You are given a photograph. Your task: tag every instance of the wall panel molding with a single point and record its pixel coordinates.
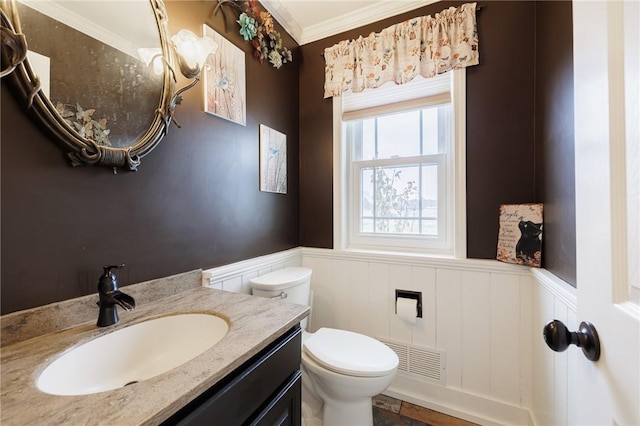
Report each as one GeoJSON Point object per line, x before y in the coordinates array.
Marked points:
{"type": "Point", "coordinates": [479, 265]}
{"type": "Point", "coordinates": [474, 311]}
{"type": "Point", "coordinates": [235, 276]}
{"type": "Point", "coordinates": [560, 289]}
{"type": "Point", "coordinates": [552, 390]}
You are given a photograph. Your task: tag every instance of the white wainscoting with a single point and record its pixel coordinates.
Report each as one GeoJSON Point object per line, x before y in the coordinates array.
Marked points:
{"type": "Point", "coordinates": [486, 316]}
{"type": "Point", "coordinates": [235, 277]}
{"type": "Point", "coordinates": [553, 372]}
{"type": "Point", "coordinates": [473, 310]}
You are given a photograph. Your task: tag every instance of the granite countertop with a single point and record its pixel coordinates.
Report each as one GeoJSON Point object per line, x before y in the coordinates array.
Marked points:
{"type": "Point", "coordinates": [253, 323]}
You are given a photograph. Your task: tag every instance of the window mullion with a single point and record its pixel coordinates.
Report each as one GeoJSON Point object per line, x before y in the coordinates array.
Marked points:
{"type": "Point", "coordinates": [402, 161]}
{"type": "Point", "coordinates": [375, 198]}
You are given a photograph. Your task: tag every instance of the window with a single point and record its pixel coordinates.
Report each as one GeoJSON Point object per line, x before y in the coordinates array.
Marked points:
{"type": "Point", "coordinates": [399, 148]}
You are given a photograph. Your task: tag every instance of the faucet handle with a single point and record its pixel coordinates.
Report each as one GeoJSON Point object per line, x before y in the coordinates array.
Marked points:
{"type": "Point", "coordinates": [108, 281]}
{"type": "Point", "coordinates": [108, 269]}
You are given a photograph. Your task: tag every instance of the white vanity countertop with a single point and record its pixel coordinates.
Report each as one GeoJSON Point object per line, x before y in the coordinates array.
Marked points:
{"type": "Point", "coordinates": [254, 323]}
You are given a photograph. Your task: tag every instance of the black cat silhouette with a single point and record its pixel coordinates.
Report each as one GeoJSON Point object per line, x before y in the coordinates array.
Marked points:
{"type": "Point", "coordinates": [530, 242]}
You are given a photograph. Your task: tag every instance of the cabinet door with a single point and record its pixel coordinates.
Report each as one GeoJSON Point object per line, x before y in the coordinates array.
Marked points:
{"type": "Point", "coordinates": [247, 390]}
{"type": "Point", "coordinates": [285, 409]}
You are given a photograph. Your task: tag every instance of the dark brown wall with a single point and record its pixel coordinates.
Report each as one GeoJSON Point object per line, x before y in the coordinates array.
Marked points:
{"type": "Point", "coordinates": [555, 165]}
{"type": "Point", "coordinates": [500, 145]}
{"type": "Point", "coordinates": [519, 127]}
{"type": "Point", "coordinates": [194, 203]}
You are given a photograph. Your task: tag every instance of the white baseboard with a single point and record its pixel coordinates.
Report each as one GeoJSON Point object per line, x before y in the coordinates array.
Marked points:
{"type": "Point", "coordinates": [456, 403]}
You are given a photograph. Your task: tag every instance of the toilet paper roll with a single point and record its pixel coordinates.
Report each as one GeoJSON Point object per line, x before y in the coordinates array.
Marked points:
{"type": "Point", "coordinates": [407, 309]}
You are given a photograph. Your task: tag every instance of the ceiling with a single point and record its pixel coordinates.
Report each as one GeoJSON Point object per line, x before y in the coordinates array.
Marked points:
{"type": "Point", "coordinates": [310, 20]}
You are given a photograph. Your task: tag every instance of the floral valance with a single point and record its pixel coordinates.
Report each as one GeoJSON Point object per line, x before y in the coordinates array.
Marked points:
{"type": "Point", "coordinates": [425, 45]}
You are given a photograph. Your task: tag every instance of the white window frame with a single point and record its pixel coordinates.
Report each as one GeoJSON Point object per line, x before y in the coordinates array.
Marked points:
{"type": "Point", "coordinates": [364, 240]}
{"type": "Point", "coordinates": [454, 244]}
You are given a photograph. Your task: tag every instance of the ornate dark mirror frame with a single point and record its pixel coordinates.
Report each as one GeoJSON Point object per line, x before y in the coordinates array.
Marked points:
{"type": "Point", "coordinates": [78, 149]}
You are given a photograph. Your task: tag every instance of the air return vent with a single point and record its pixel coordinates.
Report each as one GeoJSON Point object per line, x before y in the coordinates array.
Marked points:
{"type": "Point", "coordinates": [419, 362]}
{"type": "Point", "coordinates": [403, 355]}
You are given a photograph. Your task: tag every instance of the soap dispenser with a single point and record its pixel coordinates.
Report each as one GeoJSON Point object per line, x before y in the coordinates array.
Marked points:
{"type": "Point", "coordinates": [110, 296]}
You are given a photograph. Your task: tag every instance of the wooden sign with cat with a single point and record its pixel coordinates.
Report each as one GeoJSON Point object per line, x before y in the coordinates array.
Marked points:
{"type": "Point", "coordinates": [520, 235]}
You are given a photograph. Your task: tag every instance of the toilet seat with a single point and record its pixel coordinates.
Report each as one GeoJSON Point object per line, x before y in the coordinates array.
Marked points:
{"type": "Point", "coordinates": [350, 353]}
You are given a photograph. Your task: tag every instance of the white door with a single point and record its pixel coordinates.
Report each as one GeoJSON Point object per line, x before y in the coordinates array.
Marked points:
{"type": "Point", "coordinates": [607, 115]}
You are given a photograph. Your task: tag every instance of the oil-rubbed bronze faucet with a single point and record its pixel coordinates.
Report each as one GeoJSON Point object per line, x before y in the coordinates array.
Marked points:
{"type": "Point", "coordinates": [110, 296]}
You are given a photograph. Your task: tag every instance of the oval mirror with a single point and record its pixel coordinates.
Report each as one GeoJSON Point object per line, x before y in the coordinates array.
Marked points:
{"type": "Point", "coordinates": [89, 78]}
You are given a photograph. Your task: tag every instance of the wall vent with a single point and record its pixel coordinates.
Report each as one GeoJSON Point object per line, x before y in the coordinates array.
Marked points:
{"type": "Point", "coordinates": [419, 362]}
{"type": "Point", "coordinates": [403, 355]}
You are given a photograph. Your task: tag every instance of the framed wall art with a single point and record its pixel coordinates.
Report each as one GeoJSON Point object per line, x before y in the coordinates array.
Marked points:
{"type": "Point", "coordinates": [520, 235]}
{"type": "Point", "coordinates": [224, 80]}
{"type": "Point", "coordinates": [273, 160]}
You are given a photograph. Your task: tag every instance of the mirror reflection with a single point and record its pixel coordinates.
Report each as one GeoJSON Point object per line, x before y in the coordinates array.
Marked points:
{"type": "Point", "coordinates": [86, 54]}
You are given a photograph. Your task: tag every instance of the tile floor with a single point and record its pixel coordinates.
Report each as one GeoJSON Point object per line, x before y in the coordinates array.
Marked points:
{"type": "Point", "coordinates": [389, 411]}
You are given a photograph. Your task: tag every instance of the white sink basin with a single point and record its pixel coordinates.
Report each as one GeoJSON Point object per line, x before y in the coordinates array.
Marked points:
{"type": "Point", "coordinates": [132, 354]}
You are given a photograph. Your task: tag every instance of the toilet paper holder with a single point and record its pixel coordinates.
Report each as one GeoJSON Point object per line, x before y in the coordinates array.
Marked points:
{"type": "Point", "coordinates": [408, 294]}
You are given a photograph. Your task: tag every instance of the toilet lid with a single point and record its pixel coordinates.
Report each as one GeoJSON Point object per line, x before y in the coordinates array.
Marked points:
{"type": "Point", "coordinates": [350, 353]}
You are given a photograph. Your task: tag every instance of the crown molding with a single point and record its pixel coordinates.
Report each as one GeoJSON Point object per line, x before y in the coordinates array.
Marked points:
{"type": "Point", "coordinates": [281, 14]}
{"type": "Point", "coordinates": [373, 13]}
{"type": "Point", "coordinates": [99, 30]}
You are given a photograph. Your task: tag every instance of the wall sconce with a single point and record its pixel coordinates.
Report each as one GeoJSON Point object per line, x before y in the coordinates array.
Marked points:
{"type": "Point", "coordinates": [191, 53]}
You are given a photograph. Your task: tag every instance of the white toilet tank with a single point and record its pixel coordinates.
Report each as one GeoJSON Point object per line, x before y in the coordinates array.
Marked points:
{"type": "Point", "coordinates": [292, 284]}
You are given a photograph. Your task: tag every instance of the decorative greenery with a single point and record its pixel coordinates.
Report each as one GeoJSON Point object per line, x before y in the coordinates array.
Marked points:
{"type": "Point", "coordinates": [83, 122]}
{"type": "Point", "coordinates": [257, 27]}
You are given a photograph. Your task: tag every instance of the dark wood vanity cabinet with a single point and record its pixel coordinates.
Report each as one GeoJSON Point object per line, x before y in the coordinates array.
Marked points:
{"type": "Point", "coordinates": [265, 390]}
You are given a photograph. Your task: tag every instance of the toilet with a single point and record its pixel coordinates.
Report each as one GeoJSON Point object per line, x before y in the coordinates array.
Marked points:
{"type": "Point", "coordinates": [341, 370]}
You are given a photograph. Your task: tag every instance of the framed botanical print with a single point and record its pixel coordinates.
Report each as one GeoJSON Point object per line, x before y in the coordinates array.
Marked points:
{"type": "Point", "coordinates": [273, 160]}
{"type": "Point", "coordinates": [224, 80]}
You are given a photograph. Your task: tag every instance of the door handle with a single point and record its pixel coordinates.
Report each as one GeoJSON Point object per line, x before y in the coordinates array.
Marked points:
{"type": "Point", "coordinates": [558, 338]}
